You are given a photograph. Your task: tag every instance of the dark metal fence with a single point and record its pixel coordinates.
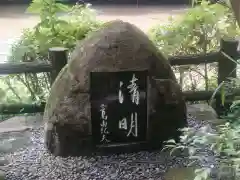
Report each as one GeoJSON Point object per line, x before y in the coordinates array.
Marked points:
{"type": "Point", "coordinates": [59, 57]}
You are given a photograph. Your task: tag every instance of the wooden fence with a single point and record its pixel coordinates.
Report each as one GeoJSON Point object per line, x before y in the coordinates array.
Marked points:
{"type": "Point", "coordinates": [58, 58]}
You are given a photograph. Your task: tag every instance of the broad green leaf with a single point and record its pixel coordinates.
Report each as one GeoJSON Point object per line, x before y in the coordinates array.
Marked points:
{"type": "Point", "coordinates": [35, 6]}
{"type": "Point", "coordinates": [62, 8]}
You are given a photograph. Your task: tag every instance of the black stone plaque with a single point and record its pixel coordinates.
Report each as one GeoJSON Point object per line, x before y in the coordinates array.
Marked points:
{"type": "Point", "coordinates": [118, 107]}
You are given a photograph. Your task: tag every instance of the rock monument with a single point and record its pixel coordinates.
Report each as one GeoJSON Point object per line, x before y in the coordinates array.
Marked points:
{"type": "Point", "coordinates": [118, 47]}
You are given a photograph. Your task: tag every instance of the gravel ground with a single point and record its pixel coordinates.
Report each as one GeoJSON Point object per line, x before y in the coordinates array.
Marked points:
{"type": "Point", "coordinates": [34, 162]}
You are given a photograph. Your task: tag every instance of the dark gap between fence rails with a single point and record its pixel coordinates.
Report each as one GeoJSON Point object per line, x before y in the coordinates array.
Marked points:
{"type": "Point", "coordinates": [29, 67]}
{"type": "Point", "coordinates": [58, 58]}
{"type": "Point", "coordinates": [36, 108]}
{"type": "Point", "coordinates": [38, 67]}
{"type": "Point", "coordinates": [6, 109]}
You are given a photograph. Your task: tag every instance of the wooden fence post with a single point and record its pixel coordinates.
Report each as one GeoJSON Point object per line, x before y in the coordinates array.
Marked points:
{"type": "Point", "coordinates": [226, 68]}
{"type": "Point", "coordinates": [58, 57]}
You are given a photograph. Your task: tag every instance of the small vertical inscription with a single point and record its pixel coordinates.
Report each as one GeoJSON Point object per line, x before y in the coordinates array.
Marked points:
{"type": "Point", "coordinates": [104, 128]}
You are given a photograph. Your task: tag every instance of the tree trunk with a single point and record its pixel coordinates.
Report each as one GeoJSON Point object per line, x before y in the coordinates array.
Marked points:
{"type": "Point", "coordinates": [236, 9]}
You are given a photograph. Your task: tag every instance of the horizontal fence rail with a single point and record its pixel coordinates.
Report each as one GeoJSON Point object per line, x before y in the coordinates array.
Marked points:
{"type": "Point", "coordinates": [21, 108]}
{"type": "Point", "coordinates": [39, 108]}
{"type": "Point", "coordinates": [194, 59]}
{"type": "Point", "coordinates": [205, 95]}
{"type": "Point", "coordinates": [58, 59]}
{"type": "Point", "coordinates": [36, 108]}
{"type": "Point", "coordinates": [37, 67]}
{"type": "Point", "coordinates": [27, 67]}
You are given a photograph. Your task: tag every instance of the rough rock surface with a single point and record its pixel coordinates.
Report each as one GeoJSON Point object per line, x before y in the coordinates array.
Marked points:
{"type": "Point", "coordinates": [118, 46]}
{"type": "Point", "coordinates": [203, 112]}
{"type": "Point", "coordinates": [21, 123]}
{"type": "Point", "coordinates": [184, 173]}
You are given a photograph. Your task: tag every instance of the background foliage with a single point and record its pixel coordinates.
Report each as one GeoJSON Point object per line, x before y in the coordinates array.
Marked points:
{"type": "Point", "coordinates": [222, 140]}
{"type": "Point", "coordinates": [59, 25]}
{"type": "Point", "coordinates": [198, 30]}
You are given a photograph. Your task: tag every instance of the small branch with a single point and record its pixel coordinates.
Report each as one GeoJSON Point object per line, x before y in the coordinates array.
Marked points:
{"type": "Point", "coordinates": [7, 81]}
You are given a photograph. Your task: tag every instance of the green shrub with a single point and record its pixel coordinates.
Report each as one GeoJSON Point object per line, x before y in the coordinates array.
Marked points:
{"type": "Point", "coordinates": [198, 31]}
{"type": "Point", "coordinates": [224, 143]}
{"type": "Point", "coordinates": [213, 23]}
{"type": "Point", "coordinates": [54, 29]}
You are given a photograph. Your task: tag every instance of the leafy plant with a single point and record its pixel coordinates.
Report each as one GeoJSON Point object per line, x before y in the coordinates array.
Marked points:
{"type": "Point", "coordinates": [223, 141]}
{"type": "Point", "coordinates": [198, 31]}
{"type": "Point", "coordinates": [228, 89]}
{"type": "Point", "coordinates": [55, 29]}
{"type": "Point", "coordinates": [59, 25]}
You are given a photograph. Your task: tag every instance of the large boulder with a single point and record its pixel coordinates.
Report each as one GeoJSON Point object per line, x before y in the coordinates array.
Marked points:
{"type": "Point", "coordinates": [118, 46]}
